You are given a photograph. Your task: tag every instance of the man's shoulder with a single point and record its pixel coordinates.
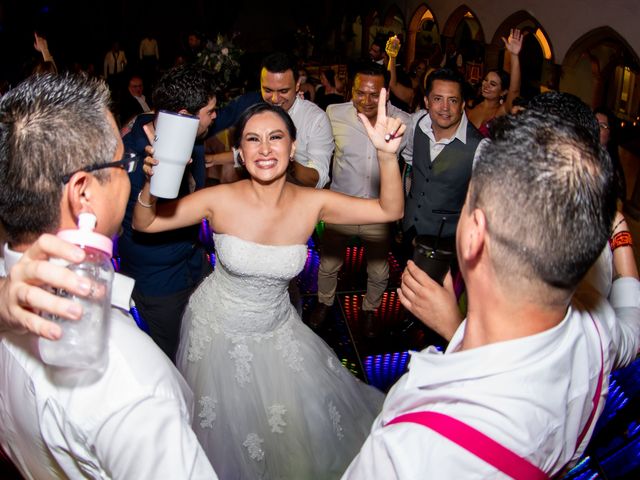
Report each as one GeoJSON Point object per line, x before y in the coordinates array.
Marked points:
{"type": "Point", "coordinates": [419, 116]}
{"type": "Point", "coordinates": [310, 120]}
{"type": "Point", "coordinates": [396, 112]}
{"type": "Point", "coordinates": [308, 108]}
{"type": "Point", "coordinates": [340, 111]}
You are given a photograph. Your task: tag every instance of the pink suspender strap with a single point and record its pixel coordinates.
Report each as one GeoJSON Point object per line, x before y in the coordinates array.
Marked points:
{"type": "Point", "coordinates": [596, 397]}
{"type": "Point", "coordinates": [476, 443]}
{"type": "Point", "coordinates": [487, 449]}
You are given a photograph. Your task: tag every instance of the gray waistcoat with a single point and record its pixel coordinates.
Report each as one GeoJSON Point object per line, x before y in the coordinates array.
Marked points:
{"type": "Point", "coordinates": [440, 185]}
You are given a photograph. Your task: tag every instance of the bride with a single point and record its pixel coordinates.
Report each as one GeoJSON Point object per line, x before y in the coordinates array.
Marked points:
{"type": "Point", "coordinates": [272, 399]}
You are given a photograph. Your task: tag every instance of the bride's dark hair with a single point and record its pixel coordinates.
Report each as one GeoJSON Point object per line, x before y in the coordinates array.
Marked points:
{"type": "Point", "coordinates": [256, 109]}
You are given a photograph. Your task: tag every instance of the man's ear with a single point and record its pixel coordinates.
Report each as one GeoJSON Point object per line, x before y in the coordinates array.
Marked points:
{"type": "Point", "coordinates": [474, 236]}
{"type": "Point", "coordinates": [79, 193]}
{"type": "Point", "coordinates": [298, 83]}
{"type": "Point", "coordinates": [426, 102]}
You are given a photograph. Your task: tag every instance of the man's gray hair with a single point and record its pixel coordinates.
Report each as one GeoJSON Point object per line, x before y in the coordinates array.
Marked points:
{"type": "Point", "coordinates": [50, 126]}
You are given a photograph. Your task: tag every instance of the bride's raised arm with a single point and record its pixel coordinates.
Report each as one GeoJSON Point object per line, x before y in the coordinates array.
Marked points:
{"type": "Point", "coordinates": [386, 136]}
{"type": "Point", "coordinates": [150, 217]}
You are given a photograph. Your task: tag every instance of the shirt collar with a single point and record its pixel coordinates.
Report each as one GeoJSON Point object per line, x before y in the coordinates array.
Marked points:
{"type": "Point", "coordinates": [461, 132]}
{"type": "Point", "coordinates": [121, 287]}
{"type": "Point", "coordinates": [455, 365]}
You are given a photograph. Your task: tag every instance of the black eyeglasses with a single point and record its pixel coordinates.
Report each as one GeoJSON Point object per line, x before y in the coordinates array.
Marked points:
{"type": "Point", "coordinates": [128, 162]}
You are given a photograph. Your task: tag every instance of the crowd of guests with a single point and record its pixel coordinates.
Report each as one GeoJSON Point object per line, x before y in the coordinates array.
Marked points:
{"type": "Point", "coordinates": [525, 203]}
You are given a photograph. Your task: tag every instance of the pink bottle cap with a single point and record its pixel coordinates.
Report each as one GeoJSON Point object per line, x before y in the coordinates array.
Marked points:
{"type": "Point", "coordinates": [84, 236]}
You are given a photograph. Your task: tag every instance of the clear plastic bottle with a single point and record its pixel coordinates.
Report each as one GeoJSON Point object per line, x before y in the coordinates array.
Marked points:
{"type": "Point", "coordinates": [84, 342]}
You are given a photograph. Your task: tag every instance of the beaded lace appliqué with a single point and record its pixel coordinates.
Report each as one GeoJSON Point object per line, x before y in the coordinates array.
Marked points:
{"type": "Point", "coordinates": [242, 357]}
{"type": "Point", "coordinates": [276, 412]}
{"type": "Point", "coordinates": [335, 419]}
{"type": "Point", "coordinates": [289, 347]}
{"type": "Point", "coordinates": [253, 445]}
{"type": "Point", "coordinates": [207, 411]}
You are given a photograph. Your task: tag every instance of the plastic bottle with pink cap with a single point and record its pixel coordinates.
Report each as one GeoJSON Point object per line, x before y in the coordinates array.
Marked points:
{"type": "Point", "coordinates": [84, 342]}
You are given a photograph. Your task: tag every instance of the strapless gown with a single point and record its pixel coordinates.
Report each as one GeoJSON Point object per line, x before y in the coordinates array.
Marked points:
{"type": "Point", "coordinates": [272, 400]}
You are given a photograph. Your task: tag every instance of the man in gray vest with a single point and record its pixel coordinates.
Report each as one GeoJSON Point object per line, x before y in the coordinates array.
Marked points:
{"type": "Point", "coordinates": [440, 145]}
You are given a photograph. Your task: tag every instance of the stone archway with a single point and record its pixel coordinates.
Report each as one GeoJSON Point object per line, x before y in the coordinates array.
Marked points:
{"type": "Point", "coordinates": [539, 71]}
{"type": "Point", "coordinates": [422, 27]}
{"type": "Point", "coordinates": [603, 69]}
{"type": "Point", "coordinates": [460, 14]}
{"type": "Point", "coordinates": [463, 29]}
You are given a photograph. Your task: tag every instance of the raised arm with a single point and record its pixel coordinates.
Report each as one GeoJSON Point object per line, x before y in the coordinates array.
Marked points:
{"type": "Point", "coordinates": [403, 92]}
{"type": "Point", "coordinates": [513, 45]}
{"type": "Point", "coordinates": [386, 136]}
{"type": "Point", "coordinates": [150, 217]}
{"type": "Point", "coordinates": [624, 262]}
{"type": "Point", "coordinates": [624, 297]}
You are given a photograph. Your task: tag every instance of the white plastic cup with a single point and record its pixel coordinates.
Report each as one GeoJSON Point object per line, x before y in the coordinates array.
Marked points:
{"type": "Point", "coordinates": [172, 147]}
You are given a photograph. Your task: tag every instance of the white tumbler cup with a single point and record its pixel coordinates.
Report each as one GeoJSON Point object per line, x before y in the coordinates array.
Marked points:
{"type": "Point", "coordinates": [173, 145]}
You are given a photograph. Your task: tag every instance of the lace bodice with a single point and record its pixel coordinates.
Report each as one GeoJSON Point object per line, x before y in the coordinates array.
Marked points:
{"type": "Point", "coordinates": [247, 293]}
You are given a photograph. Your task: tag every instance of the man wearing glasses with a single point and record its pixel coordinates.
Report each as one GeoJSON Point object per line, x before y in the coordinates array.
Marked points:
{"type": "Point", "coordinates": [134, 420]}
{"type": "Point", "coordinates": [167, 266]}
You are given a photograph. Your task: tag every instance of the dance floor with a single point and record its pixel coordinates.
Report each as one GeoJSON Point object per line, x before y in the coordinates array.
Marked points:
{"type": "Point", "coordinates": [614, 452]}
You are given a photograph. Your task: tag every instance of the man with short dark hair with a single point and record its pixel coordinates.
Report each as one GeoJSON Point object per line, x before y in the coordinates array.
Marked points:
{"type": "Point", "coordinates": [356, 173]}
{"type": "Point", "coordinates": [377, 52]}
{"type": "Point", "coordinates": [279, 84]}
{"type": "Point", "coordinates": [525, 376]}
{"type": "Point", "coordinates": [440, 146]}
{"type": "Point", "coordinates": [168, 266]}
{"type": "Point", "coordinates": [133, 419]}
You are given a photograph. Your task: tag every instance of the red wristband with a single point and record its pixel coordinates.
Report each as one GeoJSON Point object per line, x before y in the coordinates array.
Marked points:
{"type": "Point", "coordinates": [620, 239]}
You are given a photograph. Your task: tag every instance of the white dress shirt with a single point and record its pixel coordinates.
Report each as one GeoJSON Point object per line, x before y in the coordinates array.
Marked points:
{"type": "Point", "coordinates": [533, 394]}
{"type": "Point", "coordinates": [132, 422]}
{"type": "Point", "coordinates": [114, 62]}
{"type": "Point", "coordinates": [356, 171]}
{"type": "Point", "coordinates": [422, 120]}
{"type": "Point", "coordinates": [314, 140]}
{"type": "Point", "coordinates": [143, 103]}
{"type": "Point", "coordinates": [149, 48]}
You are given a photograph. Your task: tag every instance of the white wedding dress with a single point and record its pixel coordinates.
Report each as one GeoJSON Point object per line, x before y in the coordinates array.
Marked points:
{"type": "Point", "coordinates": [272, 400]}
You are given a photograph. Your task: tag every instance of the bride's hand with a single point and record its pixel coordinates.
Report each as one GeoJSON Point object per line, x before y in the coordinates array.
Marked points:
{"type": "Point", "coordinates": [149, 162]}
{"type": "Point", "coordinates": [387, 133]}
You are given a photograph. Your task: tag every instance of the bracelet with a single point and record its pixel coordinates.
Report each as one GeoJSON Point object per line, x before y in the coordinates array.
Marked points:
{"type": "Point", "coordinates": [620, 239]}
{"type": "Point", "coordinates": [145, 205]}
